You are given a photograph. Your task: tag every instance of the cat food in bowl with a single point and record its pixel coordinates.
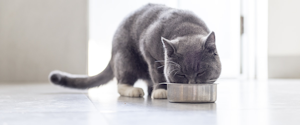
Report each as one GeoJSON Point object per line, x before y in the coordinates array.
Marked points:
{"type": "Point", "coordinates": [192, 92]}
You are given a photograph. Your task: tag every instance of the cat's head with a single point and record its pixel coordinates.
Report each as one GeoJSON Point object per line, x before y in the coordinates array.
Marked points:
{"type": "Point", "coordinates": [191, 59]}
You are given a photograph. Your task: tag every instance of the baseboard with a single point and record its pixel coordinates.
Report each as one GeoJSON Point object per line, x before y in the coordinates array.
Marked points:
{"type": "Point", "coordinates": [284, 66]}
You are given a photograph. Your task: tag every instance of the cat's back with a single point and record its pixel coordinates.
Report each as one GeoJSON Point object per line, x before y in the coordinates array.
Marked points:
{"type": "Point", "coordinates": [138, 21]}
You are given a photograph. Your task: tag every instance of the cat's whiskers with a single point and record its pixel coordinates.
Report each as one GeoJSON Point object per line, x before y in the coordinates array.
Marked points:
{"type": "Point", "coordinates": [160, 66]}
{"type": "Point", "coordinates": [175, 73]}
{"type": "Point", "coordinates": [170, 62]}
{"type": "Point", "coordinates": [164, 65]}
{"type": "Point", "coordinates": [172, 71]}
{"type": "Point", "coordinates": [174, 63]}
{"type": "Point", "coordinates": [159, 61]}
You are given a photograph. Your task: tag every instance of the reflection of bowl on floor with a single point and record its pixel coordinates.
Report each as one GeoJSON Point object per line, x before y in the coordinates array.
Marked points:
{"type": "Point", "coordinates": [192, 92]}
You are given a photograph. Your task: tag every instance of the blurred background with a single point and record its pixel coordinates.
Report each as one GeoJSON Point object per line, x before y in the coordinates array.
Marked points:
{"type": "Point", "coordinates": [256, 39]}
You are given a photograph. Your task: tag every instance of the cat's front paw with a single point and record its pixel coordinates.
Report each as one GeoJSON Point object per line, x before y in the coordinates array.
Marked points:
{"type": "Point", "coordinates": [133, 92]}
{"type": "Point", "coordinates": [130, 91]}
{"type": "Point", "coordinates": [159, 94]}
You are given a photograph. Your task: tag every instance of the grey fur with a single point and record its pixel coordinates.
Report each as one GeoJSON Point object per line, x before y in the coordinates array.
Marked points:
{"type": "Point", "coordinates": [157, 44]}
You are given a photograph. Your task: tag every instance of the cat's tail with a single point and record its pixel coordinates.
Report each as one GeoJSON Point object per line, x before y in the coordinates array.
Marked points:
{"type": "Point", "coordinates": [81, 81]}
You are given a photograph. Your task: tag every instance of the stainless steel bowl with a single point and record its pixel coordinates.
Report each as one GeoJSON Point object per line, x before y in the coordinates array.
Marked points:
{"type": "Point", "coordinates": [192, 92]}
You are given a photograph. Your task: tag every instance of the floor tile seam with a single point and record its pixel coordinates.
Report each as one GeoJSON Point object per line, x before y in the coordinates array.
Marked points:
{"type": "Point", "coordinates": [106, 119]}
{"type": "Point", "coordinates": [91, 101]}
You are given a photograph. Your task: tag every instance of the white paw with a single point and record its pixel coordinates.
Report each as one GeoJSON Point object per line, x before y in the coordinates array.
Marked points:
{"type": "Point", "coordinates": [130, 91]}
{"type": "Point", "coordinates": [135, 92]}
{"type": "Point", "coordinates": [159, 94]}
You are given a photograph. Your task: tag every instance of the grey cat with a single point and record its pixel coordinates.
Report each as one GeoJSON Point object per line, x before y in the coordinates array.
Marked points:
{"type": "Point", "coordinates": [157, 44]}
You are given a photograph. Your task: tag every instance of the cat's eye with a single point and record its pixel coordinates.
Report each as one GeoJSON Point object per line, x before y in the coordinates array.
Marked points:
{"type": "Point", "coordinates": [213, 52]}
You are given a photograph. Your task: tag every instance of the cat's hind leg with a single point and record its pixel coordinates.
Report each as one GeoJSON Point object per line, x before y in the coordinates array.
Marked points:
{"type": "Point", "coordinates": [126, 74]}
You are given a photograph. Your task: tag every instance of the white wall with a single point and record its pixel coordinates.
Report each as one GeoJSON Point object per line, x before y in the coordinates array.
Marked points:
{"type": "Point", "coordinates": [284, 42]}
{"type": "Point", "coordinates": [37, 36]}
{"type": "Point", "coordinates": [284, 25]}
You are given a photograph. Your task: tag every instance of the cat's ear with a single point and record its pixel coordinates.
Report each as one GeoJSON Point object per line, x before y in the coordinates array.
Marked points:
{"type": "Point", "coordinates": [210, 41]}
{"type": "Point", "coordinates": [168, 48]}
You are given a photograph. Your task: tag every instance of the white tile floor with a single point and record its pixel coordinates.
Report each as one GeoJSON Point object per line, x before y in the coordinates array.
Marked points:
{"type": "Point", "coordinates": [272, 102]}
